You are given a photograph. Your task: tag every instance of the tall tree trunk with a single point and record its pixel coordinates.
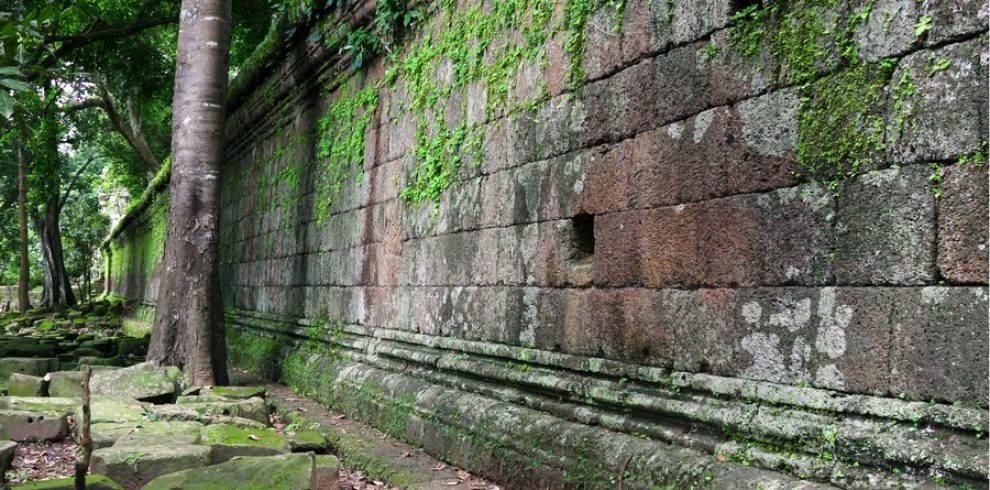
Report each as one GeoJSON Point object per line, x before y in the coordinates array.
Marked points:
{"type": "Point", "coordinates": [58, 288]}
{"type": "Point", "coordinates": [24, 280]}
{"type": "Point", "coordinates": [189, 328]}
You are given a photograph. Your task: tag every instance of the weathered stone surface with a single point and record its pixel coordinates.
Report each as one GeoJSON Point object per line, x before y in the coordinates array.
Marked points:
{"type": "Point", "coordinates": [32, 426]}
{"type": "Point", "coordinates": [116, 410]}
{"type": "Point", "coordinates": [301, 442]}
{"type": "Point", "coordinates": [65, 384]}
{"type": "Point", "coordinates": [154, 433]}
{"type": "Point", "coordinates": [944, 116]}
{"type": "Point", "coordinates": [93, 482]}
{"type": "Point", "coordinates": [237, 392]}
{"type": "Point", "coordinates": [229, 441]}
{"type": "Point", "coordinates": [39, 404]}
{"type": "Point", "coordinates": [939, 348]}
{"type": "Point", "coordinates": [25, 365]}
{"type": "Point", "coordinates": [286, 472]}
{"type": "Point", "coordinates": [26, 385]}
{"type": "Point", "coordinates": [962, 224]}
{"type": "Point", "coordinates": [133, 467]}
{"type": "Point", "coordinates": [7, 449]}
{"type": "Point", "coordinates": [886, 228]}
{"type": "Point", "coordinates": [145, 381]}
{"type": "Point", "coordinates": [212, 405]}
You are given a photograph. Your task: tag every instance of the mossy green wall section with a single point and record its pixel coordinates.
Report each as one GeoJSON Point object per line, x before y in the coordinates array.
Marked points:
{"type": "Point", "coordinates": [136, 252]}
{"type": "Point", "coordinates": [567, 243]}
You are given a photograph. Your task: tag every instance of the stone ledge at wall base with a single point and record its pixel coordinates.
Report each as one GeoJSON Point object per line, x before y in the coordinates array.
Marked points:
{"type": "Point", "coordinates": [518, 407]}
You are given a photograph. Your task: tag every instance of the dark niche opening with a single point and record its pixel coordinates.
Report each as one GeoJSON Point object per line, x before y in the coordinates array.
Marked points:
{"type": "Point", "coordinates": [584, 235]}
{"type": "Point", "coordinates": [739, 5]}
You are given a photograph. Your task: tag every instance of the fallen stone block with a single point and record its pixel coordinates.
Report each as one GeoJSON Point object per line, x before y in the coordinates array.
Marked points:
{"type": "Point", "coordinates": [93, 482]}
{"type": "Point", "coordinates": [229, 441]}
{"type": "Point", "coordinates": [100, 361]}
{"type": "Point", "coordinates": [302, 442]}
{"type": "Point", "coordinates": [116, 410]}
{"type": "Point", "coordinates": [145, 382]}
{"type": "Point", "coordinates": [65, 383]}
{"type": "Point", "coordinates": [237, 392]}
{"type": "Point", "coordinates": [285, 472]}
{"type": "Point", "coordinates": [106, 434]}
{"type": "Point", "coordinates": [133, 467]}
{"type": "Point", "coordinates": [32, 426]}
{"type": "Point", "coordinates": [7, 449]}
{"type": "Point", "coordinates": [251, 409]}
{"type": "Point", "coordinates": [128, 347]}
{"type": "Point", "coordinates": [39, 404]}
{"type": "Point", "coordinates": [27, 365]}
{"type": "Point", "coordinates": [162, 434]}
{"type": "Point", "coordinates": [26, 385]}
{"type": "Point", "coordinates": [326, 473]}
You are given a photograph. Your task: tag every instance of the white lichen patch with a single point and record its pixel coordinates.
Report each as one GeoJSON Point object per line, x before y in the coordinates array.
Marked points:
{"type": "Point", "coordinates": [830, 377]}
{"type": "Point", "coordinates": [701, 123]}
{"type": "Point", "coordinates": [768, 359]}
{"type": "Point", "coordinates": [933, 295]}
{"type": "Point", "coordinates": [831, 339]}
{"type": "Point", "coordinates": [752, 312]}
{"type": "Point", "coordinates": [793, 316]}
{"type": "Point", "coordinates": [675, 130]}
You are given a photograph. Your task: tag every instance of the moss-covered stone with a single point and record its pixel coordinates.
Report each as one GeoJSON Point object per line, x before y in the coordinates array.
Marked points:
{"type": "Point", "coordinates": [26, 385]}
{"type": "Point", "coordinates": [145, 381]}
{"type": "Point", "coordinates": [300, 442]}
{"type": "Point", "coordinates": [285, 472]}
{"type": "Point", "coordinates": [238, 392]}
{"type": "Point", "coordinates": [32, 426]}
{"type": "Point", "coordinates": [116, 410]}
{"type": "Point", "coordinates": [25, 365]}
{"type": "Point", "coordinates": [93, 482]}
{"type": "Point", "coordinates": [229, 441]}
{"type": "Point", "coordinates": [65, 384]}
{"type": "Point", "coordinates": [251, 409]}
{"type": "Point", "coordinates": [133, 467]}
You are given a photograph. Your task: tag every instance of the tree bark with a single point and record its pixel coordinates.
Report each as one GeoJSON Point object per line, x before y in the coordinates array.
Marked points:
{"type": "Point", "coordinates": [58, 288]}
{"type": "Point", "coordinates": [189, 330]}
{"type": "Point", "coordinates": [24, 280]}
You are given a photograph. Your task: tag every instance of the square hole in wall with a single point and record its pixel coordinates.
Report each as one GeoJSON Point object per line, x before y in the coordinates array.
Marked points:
{"type": "Point", "coordinates": [583, 236]}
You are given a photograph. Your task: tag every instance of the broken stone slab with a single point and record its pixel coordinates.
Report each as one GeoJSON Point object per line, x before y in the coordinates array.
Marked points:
{"type": "Point", "coordinates": [65, 383]}
{"type": "Point", "coordinates": [106, 434]}
{"type": "Point", "coordinates": [229, 441]}
{"type": "Point", "coordinates": [24, 347]}
{"type": "Point", "coordinates": [40, 404]}
{"type": "Point", "coordinates": [32, 426]}
{"type": "Point", "coordinates": [237, 392]}
{"type": "Point", "coordinates": [26, 385]}
{"type": "Point", "coordinates": [172, 413]}
{"type": "Point", "coordinates": [27, 365]}
{"type": "Point", "coordinates": [133, 467]}
{"type": "Point", "coordinates": [187, 399]}
{"type": "Point", "coordinates": [93, 482]}
{"type": "Point", "coordinates": [100, 361]}
{"type": "Point", "coordinates": [116, 410]}
{"type": "Point", "coordinates": [161, 434]}
{"type": "Point", "coordinates": [284, 472]}
{"type": "Point", "coordinates": [145, 382]}
{"type": "Point", "coordinates": [302, 442]}
{"type": "Point", "coordinates": [251, 409]}
{"type": "Point", "coordinates": [7, 449]}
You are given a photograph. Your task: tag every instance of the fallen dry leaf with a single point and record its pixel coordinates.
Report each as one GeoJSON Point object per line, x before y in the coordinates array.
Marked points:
{"type": "Point", "coordinates": [339, 416]}
{"type": "Point", "coordinates": [406, 454]}
{"type": "Point", "coordinates": [254, 437]}
{"type": "Point", "coordinates": [452, 483]}
{"type": "Point", "coordinates": [439, 466]}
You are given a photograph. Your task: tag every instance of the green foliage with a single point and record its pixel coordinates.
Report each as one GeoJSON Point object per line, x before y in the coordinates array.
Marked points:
{"type": "Point", "coordinates": [340, 149]}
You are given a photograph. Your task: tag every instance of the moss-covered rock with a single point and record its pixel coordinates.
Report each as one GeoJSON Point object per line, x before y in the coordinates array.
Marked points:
{"type": "Point", "coordinates": [238, 392]}
{"type": "Point", "coordinates": [229, 441]}
{"type": "Point", "coordinates": [251, 409]}
{"type": "Point", "coordinates": [145, 381]}
{"type": "Point", "coordinates": [26, 385]}
{"type": "Point", "coordinates": [300, 442]}
{"type": "Point", "coordinates": [26, 365]}
{"type": "Point", "coordinates": [41, 404]}
{"type": "Point", "coordinates": [285, 472]}
{"type": "Point", "coordinates": [133, 467]}
{"type": "Point", "coordinates": [161, 434]}
{"type": "Point", "coordinates": [93, 482]}
{"type": "Point", "coordinates": [116, 410]}
{"type": "Point", "coordinates": [65, 383]}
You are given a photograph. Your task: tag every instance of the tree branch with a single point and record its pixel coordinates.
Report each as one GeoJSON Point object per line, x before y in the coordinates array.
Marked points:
{"type": "Point", "coordinates": [73, 42]}
{"type": "Point", "coordinates": [72, 184]}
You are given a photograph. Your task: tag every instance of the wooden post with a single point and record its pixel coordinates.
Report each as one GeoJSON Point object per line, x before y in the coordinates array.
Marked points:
{"type": "Point", "coordinates": [84, 439]}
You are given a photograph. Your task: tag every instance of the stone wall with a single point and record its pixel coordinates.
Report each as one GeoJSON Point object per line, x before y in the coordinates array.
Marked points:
{"type": "Point", "coordinates": [669, 244]}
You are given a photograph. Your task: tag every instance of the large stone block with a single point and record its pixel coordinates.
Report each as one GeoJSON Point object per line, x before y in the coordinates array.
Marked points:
{"type": "Point", "coordinates": [228, 442]}
{"type": "Point", "coordinates": [938, 106]}
{"type": "Point", "coordinates": [28, 366]}
{"type": "Point", "coordinates": [617, 248]}
{"type": "Point", "coordinates": [940, 347]}
{"type": "Point", "coordinates": [134, 467]}
{"type": "Point", "coordinates": [962, 224]}
{"type": "Point", "coordinates": [26, 385]}
{"type": "Point", "coordinates": [146, 381]}
{"type": "Point", "coordinates": [19, 425]}
{"type": "Point", "coordinates": [886, 228]}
